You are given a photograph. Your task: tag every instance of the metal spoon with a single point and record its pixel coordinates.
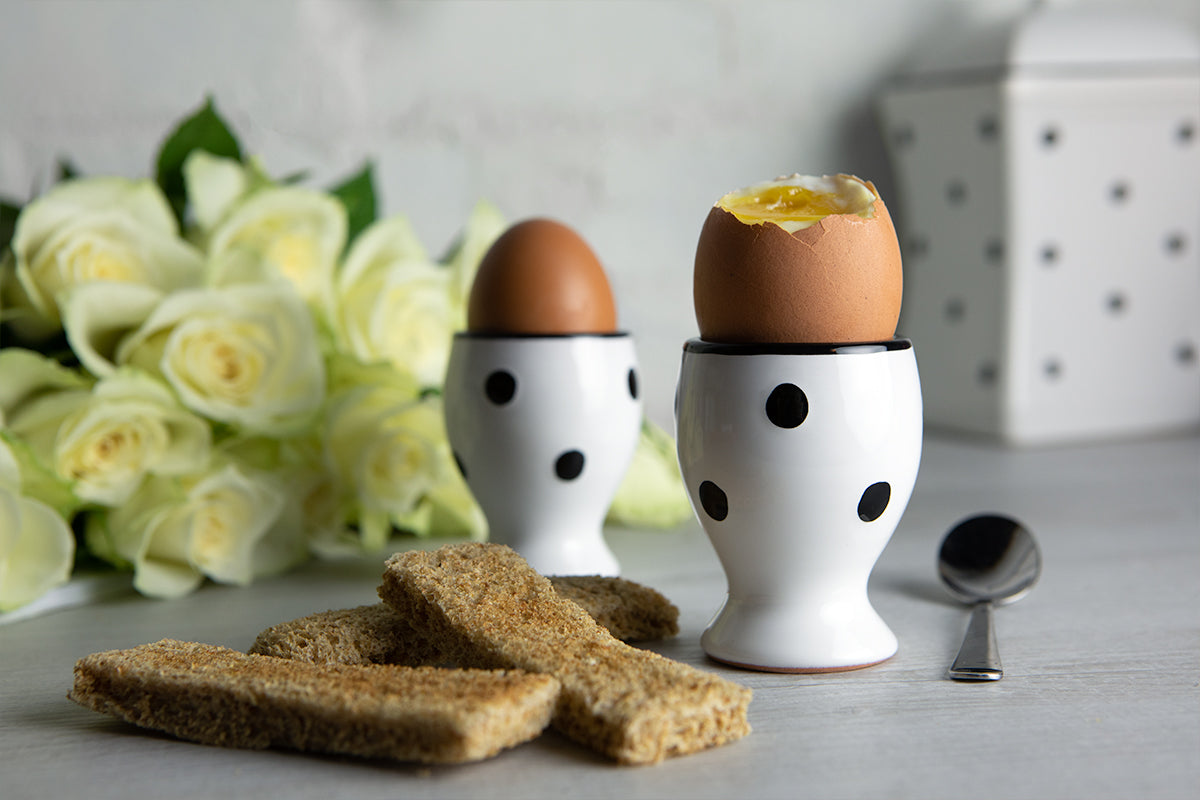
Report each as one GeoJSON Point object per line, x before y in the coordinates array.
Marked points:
{"type": "Point", "coordinates": [986, 560]}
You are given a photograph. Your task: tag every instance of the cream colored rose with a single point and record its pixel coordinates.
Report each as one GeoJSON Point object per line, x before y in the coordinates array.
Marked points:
{"type": "Point", "coordinates": [652, 494]}
{"type": "Point", "coordinates": [483, 227]}
{"type": "Point", "coordinates": [130, 426]}
{"type": "Point", "coordinates": [177, 532]}
{"type": "Point", "coordinates": [28, 375]}
{"type": "Point", "coordinates": [94, 229]}
{"type": "Point", "coordinates": [394, 304]}
{"type": "Point", "coordinates": [247, 355]}
{"type": "Point", "coordinates": [295, 465]}
{"type": "Point", "coordinates": [214, 184]}
{"type": "Point", "coordinates": [298, 234]}
{"type": "Point", "coordinates": [36, 545]}
{"type": "Point", "coordinates": [391, 455]}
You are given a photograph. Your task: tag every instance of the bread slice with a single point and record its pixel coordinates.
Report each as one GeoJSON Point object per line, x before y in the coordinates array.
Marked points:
{"type": "Point", "coordinates": [373, 634]}
{"type": "Point", "coordinates": [486, 607]}
{"type": "Point", "coordinates": [630, 611]}
{"type": "Point", "coordinates": [378, 634]}
{"type": "Point", "coordinates": [219, 696]}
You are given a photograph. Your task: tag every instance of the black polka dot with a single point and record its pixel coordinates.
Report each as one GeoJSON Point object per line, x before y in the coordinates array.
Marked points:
{"type": "Point", "coordinates": [458, 462]}
{"type": "Point", "coordinates": [569, 465]}
{"type": "Point", "coordinates": [500, 387]}
{"type": "Point", "coordinates": [989, 128]}
{"type": "Point", "coordinates": [918, 246]}
{"type": "Point", "coordinates": [956, 192]}
{"type": "Point", "coordinates": [874, 501]}
{"type": "Point", "coordinates": [993, 251]}
{"type": "Point", "coordinates": [987, 373]}
{"type": "Point", "coordinates": [1176, 244]}
{"type": "Point", "coordinates": [633, 384]}
{"type": "Point", "coordinates": [787, 406]}
{"type": "Point", "coordinates": [714, 501]}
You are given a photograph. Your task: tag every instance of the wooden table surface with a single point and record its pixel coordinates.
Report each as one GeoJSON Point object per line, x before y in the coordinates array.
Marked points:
{"type": "Point", "coordinates": [1101, 694]}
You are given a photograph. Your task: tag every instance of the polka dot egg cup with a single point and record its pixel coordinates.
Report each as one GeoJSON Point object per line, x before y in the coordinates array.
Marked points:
{"type": "Point", "coordinates": [799, 460]}
{"type": "Point", "coordinates": [543, 429]}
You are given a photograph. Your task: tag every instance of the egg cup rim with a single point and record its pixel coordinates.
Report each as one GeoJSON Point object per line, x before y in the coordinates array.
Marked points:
{"type": "Point", "coordinates": [499, 335]}
{"type": "Point", "coordinates": [700, 346]}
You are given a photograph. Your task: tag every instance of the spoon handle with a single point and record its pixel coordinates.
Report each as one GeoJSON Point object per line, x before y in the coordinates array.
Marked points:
{"type": "Point", "coordinates": [978, 658]}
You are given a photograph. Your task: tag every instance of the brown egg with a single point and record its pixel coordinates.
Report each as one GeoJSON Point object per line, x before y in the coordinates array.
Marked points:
{"type": "Point", "coordinates": [540, 277]}
{"type": "Point", "coordinates": [800, 259]}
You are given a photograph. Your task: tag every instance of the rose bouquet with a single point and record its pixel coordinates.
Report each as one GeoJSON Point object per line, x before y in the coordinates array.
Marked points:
{"type": "Point", "coordinates": [216, 374]}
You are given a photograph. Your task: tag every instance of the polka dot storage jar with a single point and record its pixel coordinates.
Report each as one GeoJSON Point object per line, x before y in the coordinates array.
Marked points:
{"type": "Point", "coordinates": [1048, 175]}
{"type": "Point", "coordinates": [543, 428]}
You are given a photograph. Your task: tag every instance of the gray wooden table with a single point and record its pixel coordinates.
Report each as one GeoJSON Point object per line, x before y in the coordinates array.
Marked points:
{"type": "Point", "coordinates": [1101, 696]}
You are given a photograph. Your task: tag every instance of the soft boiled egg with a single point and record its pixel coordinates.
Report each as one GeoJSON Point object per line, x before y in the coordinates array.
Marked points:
{"type": "Point", "coordinates": [799, 259]}
{"type": "Point", "coordinates": [541, 278]}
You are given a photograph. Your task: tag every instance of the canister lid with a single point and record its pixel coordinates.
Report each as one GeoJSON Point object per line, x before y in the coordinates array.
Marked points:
{"type": "Point", "coordinates": [1058, 40]}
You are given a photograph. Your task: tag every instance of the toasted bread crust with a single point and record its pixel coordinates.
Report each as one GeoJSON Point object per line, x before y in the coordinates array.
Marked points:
{"type": "Point", "coordinates": [219, 696]}
{"type": "Point", "coordinates": [488, 608]}
{"type": "Point", "coordinates": [630, 611]}
{"type": "Point", "coordinates": [373, 634]}
{"type": "Point", "coordinates": [377, 634]}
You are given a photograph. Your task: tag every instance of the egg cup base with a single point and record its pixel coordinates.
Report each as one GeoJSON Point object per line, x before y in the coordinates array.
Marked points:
{"type": "Point", "coordinates": [800, 636]}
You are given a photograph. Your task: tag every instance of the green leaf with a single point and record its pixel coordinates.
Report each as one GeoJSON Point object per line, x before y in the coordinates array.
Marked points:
{"type": "Point", "coordinates": [66, 170]}
{"type": "Point", "coordinates": [203, 130]}
{"type": "Point", "coordinates": [8, 223]}
{"type": "Point", "coordinates": [293, 178]}
{"type": "Point", "coordinates": [357, 194]}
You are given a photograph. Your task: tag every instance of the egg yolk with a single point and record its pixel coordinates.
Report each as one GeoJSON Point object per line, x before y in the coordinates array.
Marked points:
{"type": "Point", "coordinates": [798, 202]}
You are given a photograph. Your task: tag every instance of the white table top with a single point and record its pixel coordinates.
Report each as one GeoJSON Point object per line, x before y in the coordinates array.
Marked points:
{"type": "Point", "coordinates": [1101, 694]}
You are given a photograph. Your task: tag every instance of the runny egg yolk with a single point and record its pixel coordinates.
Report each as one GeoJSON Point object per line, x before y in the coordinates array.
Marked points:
{"type": "Point", "coordinates": [798, 202]}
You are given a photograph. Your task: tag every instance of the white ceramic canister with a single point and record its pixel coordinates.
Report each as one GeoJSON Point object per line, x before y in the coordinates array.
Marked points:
{"type": "Point", "coordinates": [543, 428]}
{"type": "Point", "coordinates": [799, 461]}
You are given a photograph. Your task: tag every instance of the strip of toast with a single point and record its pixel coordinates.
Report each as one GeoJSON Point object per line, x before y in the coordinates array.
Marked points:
{"type": "Point", "coordinates": [488, 608]}
{"type": "Point", "coordinates": [630, 611]}
{"type": "Point", "coordinates": [219, 696]}
{"type": "Point", "coordinates": [373, 634]}
{"type": "Point", "coordinates": [377, 634]}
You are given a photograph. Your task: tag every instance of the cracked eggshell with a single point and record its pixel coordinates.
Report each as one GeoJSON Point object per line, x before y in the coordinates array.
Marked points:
{"type": "Point", "coordinates": [837, 281]}
{"type": "Point", "coordinates": [541, 278]}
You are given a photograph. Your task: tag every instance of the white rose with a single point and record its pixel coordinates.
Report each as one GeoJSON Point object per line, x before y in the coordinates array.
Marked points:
{"type": "Point", "coordinates": [213, 184]}
{"type": "Point", "coordinates": [36, 545]}
{"type": "Point", "coordinates": [392, 454]}
{"type": "Point", "coordinates": [394, 304]}
{"type": "Point", "coordinates": [483, 227]}
{"type": "Point", "coordinates": [296, 466]}
{"type": "Point", "coordinates": [297, 233]}
{"type": "Point", "coordinates": [247, 355]}
{"type": "Point", "coordinates": [28, 375]}
{"type": "Point", "coordinates": [175, 533]}
{"type": "Point", "coordinates": [94, 229]}
{"type": "Point", "coordinates": [130, 426]}
{"type": "Point", "coordinates": [652, 494]}
{"type": "Point", "coordinates": [97, 316]}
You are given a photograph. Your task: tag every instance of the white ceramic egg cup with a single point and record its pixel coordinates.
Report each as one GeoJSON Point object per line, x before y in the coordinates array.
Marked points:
{"type": "Point", "coordinates": [799, 461]}
{"type": "Point", "coordinates": [543, 429]}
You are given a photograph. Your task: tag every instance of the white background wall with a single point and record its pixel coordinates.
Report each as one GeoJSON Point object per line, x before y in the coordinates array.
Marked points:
{"type": "Point", "coordinates": [625, 120]}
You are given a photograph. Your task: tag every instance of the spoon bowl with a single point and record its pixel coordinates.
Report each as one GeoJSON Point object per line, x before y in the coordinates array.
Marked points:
{"type": "Point", "coordinates": [986, 560]}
